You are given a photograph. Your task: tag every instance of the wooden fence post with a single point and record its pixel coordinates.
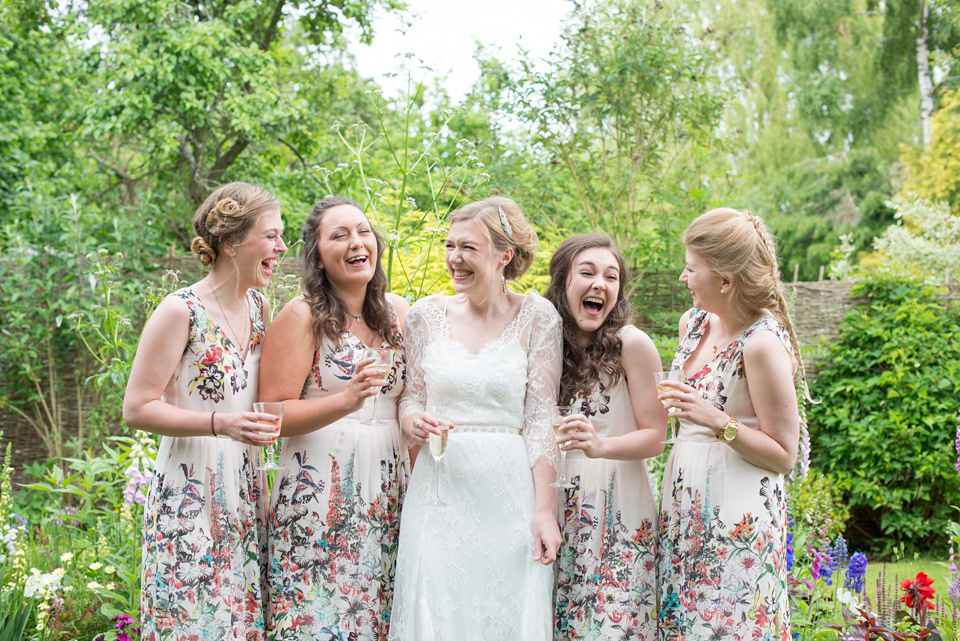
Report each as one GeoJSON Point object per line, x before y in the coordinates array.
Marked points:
{"type": "Point", "coordinates": [949, 277]}
{"type": "Point", "coordinates": [820, 277]}
{"type": "Point", "coordinates": [796, 271]}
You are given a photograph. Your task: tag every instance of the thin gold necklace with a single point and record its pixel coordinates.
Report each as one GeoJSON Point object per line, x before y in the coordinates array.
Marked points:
{"type": "Point", "coordinates": [246, 307]}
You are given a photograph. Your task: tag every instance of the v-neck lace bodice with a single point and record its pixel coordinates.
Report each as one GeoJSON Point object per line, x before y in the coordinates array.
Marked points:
{"type": "Point", "coordinates": [509, 382]}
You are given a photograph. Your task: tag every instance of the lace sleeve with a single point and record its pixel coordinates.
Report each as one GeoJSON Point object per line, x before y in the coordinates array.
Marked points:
{"type": "Point", "coordinates": [414, 396]}
{"type": "Point", "coordinates": [544, 364]}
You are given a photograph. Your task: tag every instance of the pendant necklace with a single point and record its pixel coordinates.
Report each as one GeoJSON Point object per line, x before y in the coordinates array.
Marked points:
{"type": "Point", "coordinates": [246, 306]}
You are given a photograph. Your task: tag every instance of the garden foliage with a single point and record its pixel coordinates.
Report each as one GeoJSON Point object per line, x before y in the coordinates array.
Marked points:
{"type": "Point", "coordinates": [890, 386]}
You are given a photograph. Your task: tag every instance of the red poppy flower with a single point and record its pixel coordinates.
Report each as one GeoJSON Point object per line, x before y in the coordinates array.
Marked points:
{"type": "Point", "coordinates": [917, 593]}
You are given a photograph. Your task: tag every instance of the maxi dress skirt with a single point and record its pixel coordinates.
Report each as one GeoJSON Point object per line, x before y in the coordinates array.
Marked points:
{"type": "Point", "coordinates": [335, 512]}
{"type": "Point", "coordinates": [466, 570]}
{"type": "Point", "coordinates": [723, 522]}
{"type": "Point", "coordinates": [606, 569]}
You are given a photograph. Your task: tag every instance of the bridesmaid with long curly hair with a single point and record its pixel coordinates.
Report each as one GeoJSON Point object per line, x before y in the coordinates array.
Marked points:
{"type": "Point", "coordinates": [335, 507]}
{"type": "Point", "coordinates": [606, 579]}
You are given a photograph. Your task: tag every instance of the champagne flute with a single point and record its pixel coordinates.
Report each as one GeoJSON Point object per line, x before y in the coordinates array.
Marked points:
{"type": "Point", "coordinates": [382, 357]}
{"type": "Point", "coordinates": [276, 409]}
{"type": "Point", "coordinates": [438, 447]}
{"type": "Point", "coordinates": [659, 378]}
{"type": "Point", "coordinates": [556, 421]}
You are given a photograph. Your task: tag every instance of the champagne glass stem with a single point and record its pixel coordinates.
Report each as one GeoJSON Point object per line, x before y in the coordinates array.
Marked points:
{"type": "Point", "coordinates": [375, 397]}
{"type": "Point", "coordinates": [563, 467]}
{"type": "Point", "coordinates": [436, 483]}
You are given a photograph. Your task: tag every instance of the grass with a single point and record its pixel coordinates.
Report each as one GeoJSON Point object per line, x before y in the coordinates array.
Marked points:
{"type": "Point", "coordinates": [896, 572]}
{"type": "Point", "coordinates": [907, 570]}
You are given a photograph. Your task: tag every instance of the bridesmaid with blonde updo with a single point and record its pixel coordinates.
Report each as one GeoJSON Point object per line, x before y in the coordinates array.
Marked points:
{"type": "Point", "coordinates": [194, 381]}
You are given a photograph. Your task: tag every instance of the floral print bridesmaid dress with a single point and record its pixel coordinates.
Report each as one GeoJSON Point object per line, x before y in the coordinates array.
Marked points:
{"type": "Point", "coordinates": [606, 567]}
{"type": "Point", "coordinates": [335, 512]}
{"type": "Point", "coordinates": [205, 515]}
{"type": "Point", "coordinates": [723, 524]}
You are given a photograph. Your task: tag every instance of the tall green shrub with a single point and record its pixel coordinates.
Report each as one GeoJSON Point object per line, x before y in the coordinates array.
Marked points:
{"type": "Point", "coordinates": [884, 428]}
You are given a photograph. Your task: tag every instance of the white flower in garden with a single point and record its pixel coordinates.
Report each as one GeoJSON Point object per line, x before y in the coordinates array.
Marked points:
{"type": "Point", "coordinates": [109, 569]}
{"type": "Point", "coordinates": [66, 557]}
{"type": "Point", "coordinates": [96, 565]}
{"type": "Point", "coordinates": [93, 585]}
{"type": "Point", "coordinates": [849, 599]}
{"type": "Point", "coordinates": [43, 586]}
{"type": "Point", "coordinates": [8, 536]}
{"type": "Point", "coordinates": [68, 588]}
{"type": "Point", "coordinates": [111, 586]}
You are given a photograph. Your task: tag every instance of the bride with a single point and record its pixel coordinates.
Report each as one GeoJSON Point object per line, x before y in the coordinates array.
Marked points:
{"type": "Point", "coordinates": [484, 364]}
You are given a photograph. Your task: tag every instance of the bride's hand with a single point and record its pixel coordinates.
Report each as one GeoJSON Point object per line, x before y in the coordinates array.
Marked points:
{"type": "Point", "coordinates": [419, 426]}
{"type": "Point", "coordinates": [546, 537]}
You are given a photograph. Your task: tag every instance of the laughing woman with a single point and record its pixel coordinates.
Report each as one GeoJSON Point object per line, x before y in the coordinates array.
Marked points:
{"type": "Point", "coordinates": [194, 378]}
{"type": "Point", "coordinates": [606, 568]}
{"type": "Point", "coordinates": [486, 360]}
{"type": "Point", "coordinates": [335, 508]}
{"type": "Point", "coordinates": [723, 571]}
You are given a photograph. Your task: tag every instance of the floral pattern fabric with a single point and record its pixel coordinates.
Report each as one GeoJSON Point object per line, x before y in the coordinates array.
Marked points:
{"type": "Point", "coordinates": [606, 568]}
{"type": "Point", "coordinates": [722, 557]}
{"type": "Point", "coordinates": [205, 514]}
{"type": "Point", "coordinates": [335, 512]}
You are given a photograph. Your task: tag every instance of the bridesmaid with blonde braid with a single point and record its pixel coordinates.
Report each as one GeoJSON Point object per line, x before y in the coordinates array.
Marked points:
{"type": "Point", "coordinates": [723, 509]}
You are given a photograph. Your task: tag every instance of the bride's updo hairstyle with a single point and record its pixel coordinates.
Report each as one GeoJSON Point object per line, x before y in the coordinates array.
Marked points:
{"type": "Point", "coordinates": [226, 216]}
{"type": "Point", "coordinates": [738, 243]}
{"type": "Point", "coordinates": [509, 230]}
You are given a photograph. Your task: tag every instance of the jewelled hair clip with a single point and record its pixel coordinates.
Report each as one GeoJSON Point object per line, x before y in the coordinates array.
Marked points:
{"type": "Point", "coordinates": [505, 223]}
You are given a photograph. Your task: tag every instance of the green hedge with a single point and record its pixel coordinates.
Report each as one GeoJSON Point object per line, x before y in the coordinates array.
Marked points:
{"type": "Point", "coordinates": [890, 392]}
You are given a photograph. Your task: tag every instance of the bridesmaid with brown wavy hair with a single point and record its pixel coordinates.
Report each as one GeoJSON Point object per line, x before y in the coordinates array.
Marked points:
{"type": "Point", "coordinates": [194, 380]}
{"type": "Point", "coordinates": [335, 509]}
{"type": "Point", "coordinates": [606, 569]}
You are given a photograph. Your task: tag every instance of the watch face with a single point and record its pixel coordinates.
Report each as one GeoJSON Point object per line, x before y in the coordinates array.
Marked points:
{"type": "Point", "coordinates": [729, 433]}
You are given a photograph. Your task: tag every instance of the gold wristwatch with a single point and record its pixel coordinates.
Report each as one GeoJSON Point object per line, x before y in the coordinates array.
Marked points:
{"type": "Point", "coordinates": [729, 431]}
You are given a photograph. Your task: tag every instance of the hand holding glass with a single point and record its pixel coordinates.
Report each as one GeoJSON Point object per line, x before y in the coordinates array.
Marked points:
{"type": "Point", "coordinates": [559, 413]}
{"type": "Point", "coordinates": [274, 409]}
{"type": "Point", "coordinates": [659, 378]}
{"type": "Point", "coordinates": [382, 358]}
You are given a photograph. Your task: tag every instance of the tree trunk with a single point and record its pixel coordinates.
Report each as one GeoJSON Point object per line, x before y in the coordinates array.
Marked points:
{"type": "Point", "coordinates": [924, 78]}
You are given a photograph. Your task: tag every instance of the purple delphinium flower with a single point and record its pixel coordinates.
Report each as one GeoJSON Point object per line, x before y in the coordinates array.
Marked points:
{"type": "Point", "coordinates": [826, 569]}
{"type": "Point", "coordinates": [856, 569]}
{"type": "Point", "coordinates": [790, 524]}
{"type": "Point", "coordinates": [954, 590]}
{"type": "Point", "coordinates": [957, 442]}
{"type": "Point", "coordinates": [839, 551]}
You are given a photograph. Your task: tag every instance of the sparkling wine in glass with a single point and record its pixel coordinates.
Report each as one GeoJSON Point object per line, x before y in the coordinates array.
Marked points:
{"type": "Point", "coordinates": [559, 413]}
{"type": "Point", "coordinates": [659, 378]}
{"type": "Point", "coordinates": [382, 358]}
{"type": "Point", "coordinates": [438, 447]}
{"type": "Point", "coordinates": [276, 409]}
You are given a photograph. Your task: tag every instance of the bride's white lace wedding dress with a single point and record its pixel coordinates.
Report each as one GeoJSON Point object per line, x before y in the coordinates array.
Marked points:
{"type": "Point", "coordinates": [466, 571]}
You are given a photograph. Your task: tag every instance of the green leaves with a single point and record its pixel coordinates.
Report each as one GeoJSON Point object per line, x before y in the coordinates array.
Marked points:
{"type": "Point", "coordinates": [885, 426]}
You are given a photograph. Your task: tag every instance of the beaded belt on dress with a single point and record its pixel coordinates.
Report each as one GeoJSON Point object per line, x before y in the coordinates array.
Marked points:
{"type": "Point", "coordinates": [488, 429]}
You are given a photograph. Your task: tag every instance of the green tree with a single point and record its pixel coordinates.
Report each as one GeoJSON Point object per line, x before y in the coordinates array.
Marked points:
{"type": "Point", "coordinates": [187, 87]}
{"type": "Point", "coordinates": [628, 110]}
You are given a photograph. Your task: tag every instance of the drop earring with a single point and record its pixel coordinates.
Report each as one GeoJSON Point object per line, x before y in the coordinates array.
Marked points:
{"type": "Point", "coordinates": [503, 282]}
